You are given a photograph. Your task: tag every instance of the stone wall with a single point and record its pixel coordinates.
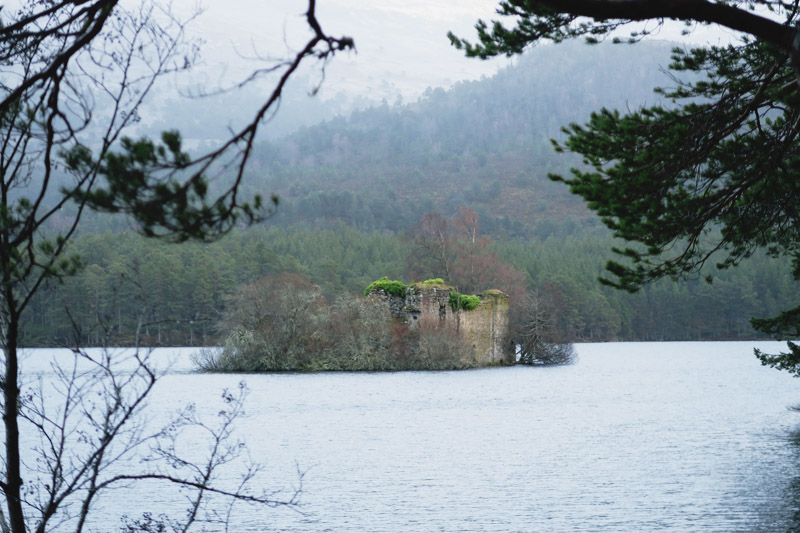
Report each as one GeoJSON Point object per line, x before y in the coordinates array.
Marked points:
{"type": "Point", "coordinates": [485, 328]}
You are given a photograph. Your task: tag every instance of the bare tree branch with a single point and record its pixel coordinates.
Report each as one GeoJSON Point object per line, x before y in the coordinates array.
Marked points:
{"type": "Point", "coordinates": [69, 68]}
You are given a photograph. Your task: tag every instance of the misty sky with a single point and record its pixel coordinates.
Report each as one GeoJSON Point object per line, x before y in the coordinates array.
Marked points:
{"type": "Point", "coordinates": [402, 47]}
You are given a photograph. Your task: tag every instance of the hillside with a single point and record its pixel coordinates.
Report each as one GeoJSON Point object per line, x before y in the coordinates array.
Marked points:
{"type": "Point", "coordinates": [485, 144]}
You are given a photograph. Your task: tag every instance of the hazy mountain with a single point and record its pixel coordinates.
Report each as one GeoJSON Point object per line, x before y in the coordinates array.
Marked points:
{"type": "Point", "coordinates": [483, 143]}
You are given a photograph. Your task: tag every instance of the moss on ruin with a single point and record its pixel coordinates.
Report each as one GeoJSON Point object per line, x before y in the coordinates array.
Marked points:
{"type": "Point", "coordinates": [392, 287]}
{"type": "Point", "coordinates": [467, 302]}
{"type": "Point", "coordinates": [457, 301]}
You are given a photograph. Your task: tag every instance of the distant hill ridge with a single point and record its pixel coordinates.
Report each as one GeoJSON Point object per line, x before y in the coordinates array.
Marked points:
{"type": "Point", "coordinates": [484, 143]}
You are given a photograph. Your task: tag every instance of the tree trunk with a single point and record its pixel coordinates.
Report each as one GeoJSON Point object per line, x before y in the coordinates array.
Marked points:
{"type": "Point", "coordinates": [13, 482]}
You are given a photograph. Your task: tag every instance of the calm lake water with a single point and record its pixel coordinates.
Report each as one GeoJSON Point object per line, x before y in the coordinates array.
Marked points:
{"type": "Point", "coordinates": [633, 437]}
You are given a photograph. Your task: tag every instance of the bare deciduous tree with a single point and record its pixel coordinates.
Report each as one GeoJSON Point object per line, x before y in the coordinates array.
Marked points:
{"type": "Point", "coordinates": [434, 247]}
{"type": "Point", "coordinates": [439, 346]}
{"type": "Point", "coordinates": [73, 77]}
{"type": "Point", "coordinates": [275, 323]}
{"type": "Point", "coordinates": [91, 438]}
{"type": "Point", "coordinates": [536, 334]}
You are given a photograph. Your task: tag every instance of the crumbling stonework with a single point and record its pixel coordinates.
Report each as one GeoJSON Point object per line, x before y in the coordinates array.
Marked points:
{"type": "Point", "coordinates": [485, 328]}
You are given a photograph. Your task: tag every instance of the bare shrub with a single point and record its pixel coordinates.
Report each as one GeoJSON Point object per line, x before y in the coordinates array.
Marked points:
{"type": "Point", "coordinates": [439, 347]}
{"type": "Point", "coordinates": [554, 354]}
{"type": "Point", "coordinates": [275, 323]}
{"type": "Point", "coordinates": [359, 336]}
{"type": "Point", "coordinates": [536, 335]}
{"type": "Point", "coordinates": [282, 322]}
{"type": "Point", "coordinates": [207, 359]}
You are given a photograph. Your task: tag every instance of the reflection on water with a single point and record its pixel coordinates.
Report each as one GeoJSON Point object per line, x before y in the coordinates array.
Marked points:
{"type": "Point", "coordinates": [634, 437]}
{"type": "Point", "coordinates": [791, 495]}
{"type": "Point", "coordinates": [792, 498]}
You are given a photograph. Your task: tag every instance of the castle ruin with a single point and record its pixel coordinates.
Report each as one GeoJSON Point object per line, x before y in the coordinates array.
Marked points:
{"type": "Point", "coordinates": [485, 328]}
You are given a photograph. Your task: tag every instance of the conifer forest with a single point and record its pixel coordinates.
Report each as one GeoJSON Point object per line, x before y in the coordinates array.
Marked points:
{"type": "Point", "coordinates": [355, 191]}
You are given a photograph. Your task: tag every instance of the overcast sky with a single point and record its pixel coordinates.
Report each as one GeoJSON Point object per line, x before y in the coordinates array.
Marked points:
{"type": "Point", "coordinates": [402, 46]}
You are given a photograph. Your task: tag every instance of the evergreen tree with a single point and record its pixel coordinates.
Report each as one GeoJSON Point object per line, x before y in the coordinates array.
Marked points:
{"type": "Point", "coordinates": [709, 178]}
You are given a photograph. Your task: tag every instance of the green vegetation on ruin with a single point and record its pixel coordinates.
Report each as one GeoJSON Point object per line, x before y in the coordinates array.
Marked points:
{"type": "Point", "coordinates": [392, 287]}
{"type": "Point", "coordinates": [467, 302]}
{"type": "Point", "coordinates": [457, 301]}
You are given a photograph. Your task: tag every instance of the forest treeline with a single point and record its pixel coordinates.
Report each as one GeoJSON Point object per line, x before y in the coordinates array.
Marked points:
{"type": "Point", "coordinates": [176, 294]}
{"type": "Point", "coordinates": [353, 190]}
